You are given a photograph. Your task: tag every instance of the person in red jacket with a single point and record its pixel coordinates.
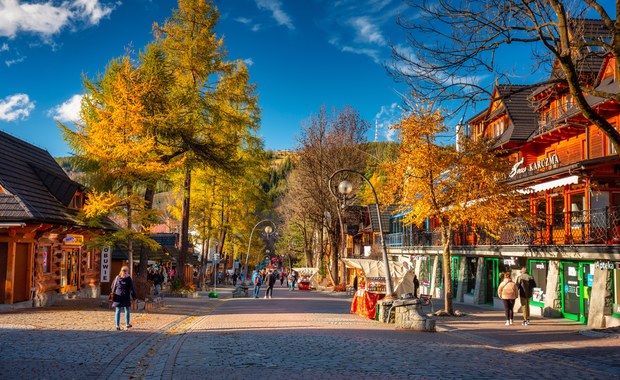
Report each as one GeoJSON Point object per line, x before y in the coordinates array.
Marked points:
{"type": "Point", "coordinates": [508, 293]}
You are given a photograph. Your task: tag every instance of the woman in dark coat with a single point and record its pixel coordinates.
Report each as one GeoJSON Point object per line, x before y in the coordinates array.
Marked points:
{"type": "Point", "coordinates": [123, 293]}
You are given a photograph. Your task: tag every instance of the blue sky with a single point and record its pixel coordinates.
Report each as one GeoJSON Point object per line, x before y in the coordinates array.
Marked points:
{"type": "Point", "coordinates": [301, 55]}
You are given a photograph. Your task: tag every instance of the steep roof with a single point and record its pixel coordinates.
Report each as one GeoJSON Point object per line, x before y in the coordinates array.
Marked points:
{"type": "Point", "coordinates": [523, 118]}
{"type": "Point", "coordinates": [386, 212]}
{"type": "Point", "coordinates": [34, 186]}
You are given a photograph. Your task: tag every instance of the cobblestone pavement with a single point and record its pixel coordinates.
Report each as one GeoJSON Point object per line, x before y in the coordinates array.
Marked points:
{"type": "Point", "coordinates": [295, 335]}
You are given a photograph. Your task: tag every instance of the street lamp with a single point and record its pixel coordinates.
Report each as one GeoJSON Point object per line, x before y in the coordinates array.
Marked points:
{"type": "Point", "coordinates": [345, 188]}
{"type": "Point", "coordinates": [267, 230]}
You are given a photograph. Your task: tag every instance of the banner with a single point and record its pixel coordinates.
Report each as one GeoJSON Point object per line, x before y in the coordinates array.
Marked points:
{"type": "Point", "coordinates": [106, 263]}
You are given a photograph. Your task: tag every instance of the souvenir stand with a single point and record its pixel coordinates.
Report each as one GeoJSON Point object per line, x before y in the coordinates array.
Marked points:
{"type": "Point", "coordinates": [306, 276]}
{"type": "Point", "coordinates": [371, 284]}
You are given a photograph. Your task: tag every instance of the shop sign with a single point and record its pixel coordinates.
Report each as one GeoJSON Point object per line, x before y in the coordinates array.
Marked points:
{"type": "Point", "coordinates": [607, 265]}
{"type": "Point", "coordinates": [419, 257]}
{"type": "Point", "coordinates": [544, 164]}
{"type": "Point", "coordinates": [510, 262]}
{"type": "Point", "coordinates": [73, 240]}
{"type": "Point", "coordinates": [106, 263]}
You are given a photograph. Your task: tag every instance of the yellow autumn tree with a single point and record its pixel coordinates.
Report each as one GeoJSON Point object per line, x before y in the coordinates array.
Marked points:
{"type": "Point", "coordinates": [432, 181]}
{"type": "Point", "coordinates": [115, 144]}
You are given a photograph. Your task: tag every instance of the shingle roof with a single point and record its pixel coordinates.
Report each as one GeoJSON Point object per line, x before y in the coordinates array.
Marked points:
{"type": "Point", "coordinates": [386, 212]}
{"type": "Point", "coordinates": [35, 186]}
{"type": "Point", "coordinates": [523, 118]}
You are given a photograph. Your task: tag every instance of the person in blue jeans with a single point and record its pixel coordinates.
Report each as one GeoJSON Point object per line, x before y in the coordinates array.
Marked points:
{"type": "Point", "coordinates": [256, 280]}
{"type": "Point", "coordinates": [122, 294]}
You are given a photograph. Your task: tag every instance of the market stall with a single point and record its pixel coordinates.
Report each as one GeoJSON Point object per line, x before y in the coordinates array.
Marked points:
{"type": "Point", "coordinates": [371, 284]}
{"type": "Point", "coordinates": [305, 277]}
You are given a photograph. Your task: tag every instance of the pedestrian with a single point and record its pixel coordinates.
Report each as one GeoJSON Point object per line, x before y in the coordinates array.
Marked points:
{"type": "Point", "coordinates": [270, 279]}
{"type": "Point", "coordinates": [508, 293]}
{"type": "Point", "coordinates": [416, 285]}
{"type": "Point", "coordinates": [122, 295]}
{"type": "Point", "coordinates": [282, 275]}
{"type": "Point", "coordinates": [256, 280]}
{"type": "Point", "coordinates": [158, 279]}
{"type": "Point", "coordinates": [291, 281]}
{"type": "Point", "coordinates": [526, 285]}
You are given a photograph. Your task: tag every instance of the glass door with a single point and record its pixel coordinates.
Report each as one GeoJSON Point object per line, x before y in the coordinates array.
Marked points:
{"type": "Point", "coordinates": [454, 275]}
{"type": "Point", "coordinates": [69, 268]}
{"type": "Point", "coordinates": [576, 289]}
{"type": "Point", "coordinates": [491, 273]}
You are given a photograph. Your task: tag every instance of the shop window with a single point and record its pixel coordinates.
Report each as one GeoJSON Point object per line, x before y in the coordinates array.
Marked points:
{"type": "Point", "coordinates": [46, 258]}
{"type": "Point", "coordinates": [88, 260]}
{"type": "Point", "coordinates": [616, 292]}
{"type": "Point", "coordinates": [558, 210]}
{"type": "Point", "coordinates": [538, 271]}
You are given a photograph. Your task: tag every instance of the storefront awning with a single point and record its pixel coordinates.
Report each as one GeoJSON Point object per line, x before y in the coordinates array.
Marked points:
{"type": "Point", "coordinates": [571, 180]}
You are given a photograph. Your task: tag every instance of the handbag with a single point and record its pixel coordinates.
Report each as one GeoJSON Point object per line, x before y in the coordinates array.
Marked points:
{"type": "Point", "coordinates": [111, 295]}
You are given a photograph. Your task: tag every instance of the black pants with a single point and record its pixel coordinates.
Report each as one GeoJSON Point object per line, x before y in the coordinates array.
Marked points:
{"type": "Point", "coordinates": [269, 291]}
{"type": "Point", "coordinates": [508, 306]}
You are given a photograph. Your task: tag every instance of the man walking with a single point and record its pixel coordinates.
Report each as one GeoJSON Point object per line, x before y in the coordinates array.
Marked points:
{"type": "Point", "coordinates": [256, 280]}
{"type": "Point", "coordinates": [526, 285]}
{"type": "Point", "coordinates": [271, 280]}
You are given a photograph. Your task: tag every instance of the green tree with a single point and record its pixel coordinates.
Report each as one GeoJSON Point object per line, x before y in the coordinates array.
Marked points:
{"type": "Point", "coordinates": [213, 106]}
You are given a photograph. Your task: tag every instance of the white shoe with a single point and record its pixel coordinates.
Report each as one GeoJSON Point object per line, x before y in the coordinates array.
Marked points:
{"type": "Point", "coordinates": [269, 296]}
{"type": "Point", "coordinates": [511, 321]}
{"type": "Point", "coordinates": [507, 323]}
{"type": "Point", "coordinates": [265, 296]}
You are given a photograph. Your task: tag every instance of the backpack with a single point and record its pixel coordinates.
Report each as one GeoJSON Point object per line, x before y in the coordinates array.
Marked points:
{"type": "Point", "coordinates": [257, 280]}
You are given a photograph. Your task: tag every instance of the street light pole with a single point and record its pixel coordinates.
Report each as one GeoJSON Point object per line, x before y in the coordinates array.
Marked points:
{"type": "Point", "coordinates": [345, 188]}
{"type": "Point", "coordinates": [268, 230]}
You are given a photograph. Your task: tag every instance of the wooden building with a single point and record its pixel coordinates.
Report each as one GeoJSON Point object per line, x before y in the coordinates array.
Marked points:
{"type": "Point", "coordinates": [43, 254]}
{"type": "Point", "coordinates": [569, 172]}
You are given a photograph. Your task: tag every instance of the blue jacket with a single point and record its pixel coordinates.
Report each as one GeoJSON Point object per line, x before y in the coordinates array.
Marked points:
{"type": "Point", "coordinates": [256, 274]}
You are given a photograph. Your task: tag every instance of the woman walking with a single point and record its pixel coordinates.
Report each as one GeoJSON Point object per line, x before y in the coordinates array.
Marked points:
{"type": "Point", "coordinates": [123, 293]}
{"type": "Point", "coordinates": [508, 293]}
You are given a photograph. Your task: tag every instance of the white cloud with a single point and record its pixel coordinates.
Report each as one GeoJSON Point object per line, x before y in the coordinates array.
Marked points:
{"type": "Point", "coordinates": [248, 62]}
{"type": "Point", "coordinates": [367, 31]}
{"type": "Point", "coordinates": [4, 47]}
{"type": "Point", "coordinates": [68, 111]}
{"type": "Point", "coordinates": [91, 10]}
{"type": "Point", "coordinates": [11, 62]}
{"type": "Point", "coordinates": [372, 53]}
{"type": "Point", "coordinates": [15, 107]}
{"type": "Point", "coordinates": [275, 6]}
{"type": "Point", "coordinates": [47, 19]}
{"type": "Point", "coordinates": [243, 20]}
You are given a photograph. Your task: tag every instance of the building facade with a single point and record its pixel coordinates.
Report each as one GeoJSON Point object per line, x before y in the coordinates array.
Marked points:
{"type": "Point", "coordinates": [43, 250]}
{"type": "Point", "coordinates": [569, 173]}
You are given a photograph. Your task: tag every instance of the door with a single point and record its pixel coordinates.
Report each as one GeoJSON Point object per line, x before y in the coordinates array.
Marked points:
{"type": "Point", "coordinates": [21, 289]}
{"type": "Point", "coordinates": [491, 269]}
{"type": "Point", "coordinates": [69, 270]}
{"type": "Point", "coordinates": [454, 275]}
{"type": "Point", "coordinates": [4, 256]}
{"type": "Point", "coordinates": [576, 289]}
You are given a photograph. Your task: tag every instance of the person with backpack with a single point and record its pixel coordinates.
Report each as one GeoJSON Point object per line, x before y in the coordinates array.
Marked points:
{"type": "Point", "coordinates": [526, 285]}
{"type": "Point", "coordinates": [257, 281]}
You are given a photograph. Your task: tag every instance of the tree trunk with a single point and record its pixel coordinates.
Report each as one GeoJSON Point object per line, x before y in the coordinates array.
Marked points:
{"type": "Point", "coordinates": [447, 261]}
{"type": "Point", "coordinates": [184, 235]}
{"type": "Point", "coordinates": [149, 194]}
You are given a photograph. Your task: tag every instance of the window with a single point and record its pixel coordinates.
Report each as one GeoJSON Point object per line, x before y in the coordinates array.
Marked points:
{"type": "Point", "coordinates": [611, 149]}
{"type": "Point", "coordinates": [88, 260]}
{"type": "Point", "coordinates": [46, 258]}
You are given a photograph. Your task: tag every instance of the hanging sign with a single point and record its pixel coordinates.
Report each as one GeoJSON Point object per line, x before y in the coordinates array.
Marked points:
{"type": "Point", "coordinates": [73, 240]}
{"type": "Point", "coordinates": [106, 263]}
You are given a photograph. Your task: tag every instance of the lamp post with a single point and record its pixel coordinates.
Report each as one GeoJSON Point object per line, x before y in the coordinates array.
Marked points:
{"type": "Point", "coordinates": [345, 189]}
{"type": "Point", "coordinates": [268, 230]}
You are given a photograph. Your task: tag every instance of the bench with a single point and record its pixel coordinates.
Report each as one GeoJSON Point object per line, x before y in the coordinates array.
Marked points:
{"type": "Point", "coordinates": [426, 300]}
